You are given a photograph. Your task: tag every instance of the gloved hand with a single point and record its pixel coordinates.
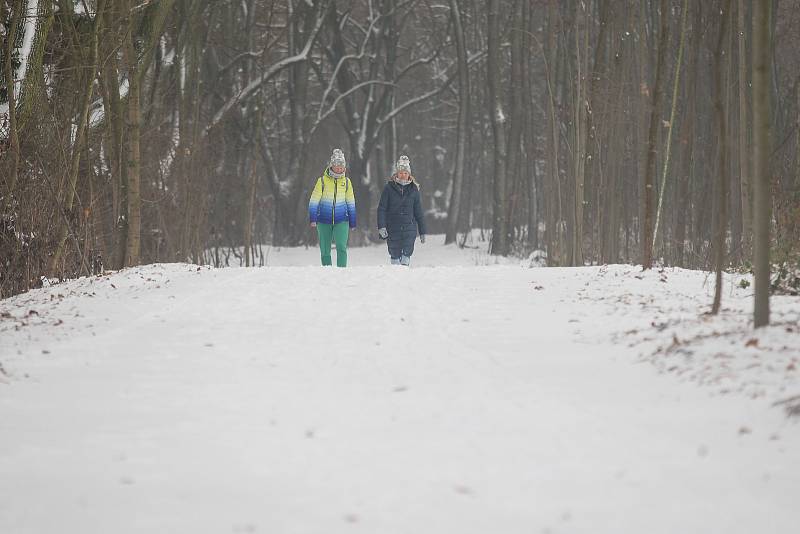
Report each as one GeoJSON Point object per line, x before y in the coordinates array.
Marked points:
{"type": "Point", "coordinates": [421, 238]}
{"type": "Point", "coordinates": [383, 233]}
{"type": "Point", "coordinates": [313, 225]}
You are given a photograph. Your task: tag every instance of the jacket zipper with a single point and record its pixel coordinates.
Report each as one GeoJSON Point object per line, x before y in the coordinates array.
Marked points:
{"type": "Point", "coordinates": [333, 211]}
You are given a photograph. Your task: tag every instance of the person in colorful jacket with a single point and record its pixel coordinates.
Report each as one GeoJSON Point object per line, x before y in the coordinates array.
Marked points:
{"type": "Point", "coordinates": [400, 214]}
{"type": "Point", "coordinates": [332, 209]}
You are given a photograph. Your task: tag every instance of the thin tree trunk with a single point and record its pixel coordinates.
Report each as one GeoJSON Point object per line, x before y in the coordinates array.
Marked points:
{"type": "Point", "coordinates": [688, 139]}
{"type": "Point", "coordinates": [249, 212]}
{"type": "Point", "coordinates": [8, 74]}
{"type": "Point", "coordinates": [580, 129]}
{"type": "Point", "coordinates": [553, 205]}
{"type": "Point", "coordinates": [115, 148]}
{"type": "Point", "coordinates": [499, 244]}
{"type": "Point", "coordinates": [722, 136]}
{"type": "Point", "coordinates": [188, 182]}
{"type": "Point", "coordinates": [734, 183]}
{"type": "Point", "coordinates": [532, 171]}
{"type": "Point", "coordinates": [296, 202]}
{"type": "Point", "coordinates": [513, 179]}
{"type": "Point", "coordinates": [667, 149]}
{"type": "Point", "coordinates": [762, 115]}
{"type": "Point", "coordinates": [133, 243]}
{"type": "Point", "coordinates": [744, 152]}
{"type": "Point", "coordinates": [652, 139]}
{"type": "Point", "coordinates": [32, 89]}
{"type": "Point", "coordinates": [643, 102]}
{"type": "Point", "coordinates": [462, 127]}
{"type": "Point", "coordinates": [609, 196]}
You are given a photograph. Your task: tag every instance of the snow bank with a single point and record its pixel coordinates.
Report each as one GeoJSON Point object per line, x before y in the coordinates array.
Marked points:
{"type": "Point", "coordinates": [665, 315]}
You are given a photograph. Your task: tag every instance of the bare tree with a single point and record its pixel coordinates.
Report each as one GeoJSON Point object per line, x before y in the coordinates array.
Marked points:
{"type": "Point", "coordinates": [462, 127]}
{"type": "Point", "coordinates": [761, 161]}
{"type": "Point", "coordinates": [648, 188]}
{"type": "Point", "coordinates": [743, 148]}
{"type": "Point", "coordinates": [499, 245]}
{"type": "Point", "coordinates": [8, 76]}
{"type": "Point", "coordinates": [220, 113]}
{"type": "Point", "coordinates": [722, 155]}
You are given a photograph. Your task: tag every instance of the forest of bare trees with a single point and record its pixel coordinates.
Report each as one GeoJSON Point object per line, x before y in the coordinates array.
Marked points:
{"type": "Point", "coordinates": [658, 132]}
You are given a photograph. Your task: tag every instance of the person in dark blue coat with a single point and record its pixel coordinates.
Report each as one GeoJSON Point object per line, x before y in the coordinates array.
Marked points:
{"type": "Point", "coordinates": [400, 214]}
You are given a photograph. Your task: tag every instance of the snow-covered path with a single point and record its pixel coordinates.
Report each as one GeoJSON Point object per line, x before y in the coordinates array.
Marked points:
{"type": "Point", "coordinates": [453, 399]}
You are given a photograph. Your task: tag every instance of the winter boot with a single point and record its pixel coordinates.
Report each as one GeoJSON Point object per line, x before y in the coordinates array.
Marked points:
{"type": "Point", "coordinates": [405, 260]}
{"type": "Point", "coordinates": [395, 261]}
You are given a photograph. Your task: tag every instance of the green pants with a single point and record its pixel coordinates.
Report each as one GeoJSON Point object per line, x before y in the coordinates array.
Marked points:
{"type": "Point", "coordinates": [339, 232]}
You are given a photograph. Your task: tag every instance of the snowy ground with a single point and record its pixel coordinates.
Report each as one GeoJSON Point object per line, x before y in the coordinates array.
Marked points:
{"type": "Point", "coordinates": [458, 396]}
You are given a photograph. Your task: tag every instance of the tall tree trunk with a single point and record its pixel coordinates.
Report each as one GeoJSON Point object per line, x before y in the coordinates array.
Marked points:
{"type": "Point", "coordinates": [532, 171]}
{"type": "Point", "coordinates": [744, 151]}
{"type": "Point", "coordinates": [114, 145]}
{"type": "Point", "coordinates": [673, 108]}
{"type": "Point", "coordinates": [734, 182]}
{"type": "Point", "coordinates": [514, 156]}
{"type": "Point", "coordinates": [8, 75]}
{"type": "Point", "coordinates": [597, 122]}
{"type": "Point", "coordinates": [297, 202]}
{"type": "Point", "coordinates": [580, 129]}
{"type": "Point", "coordinates": [648, 191]}
{"type": "Point", "coordinates": [638, 13]}
{"type": "Point", "coordinates": [462, 126]}
{"type": "Point", "coordinates": [723, 154]}
{"type": "Point", "coordinates": [554, 214]}
{"type": "Point", "coordinates": [134, 164]}
{"type": "Point", "coordinates": [191, 200]}
{"type": "Point", "coordinates": [499, 244]}
{"type": "Point", "coordinates": [688, 140]}
{"type": "Point", "coordinates": [32, 89]}
{"type": "Point", "coordinates": [762, 116]}
{"type": "Point", "coordinates": [608, 195]}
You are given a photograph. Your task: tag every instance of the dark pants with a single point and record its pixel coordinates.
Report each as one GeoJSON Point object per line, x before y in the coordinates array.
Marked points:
{"type": "Point", "coordinates": [401, 245]}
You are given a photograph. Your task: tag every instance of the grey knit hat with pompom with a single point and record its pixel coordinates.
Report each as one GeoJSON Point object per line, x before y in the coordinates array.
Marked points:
{"type": "Point", "coordinates": [403, 164]}
{"type": "Point", "coordinates": [337, 158]}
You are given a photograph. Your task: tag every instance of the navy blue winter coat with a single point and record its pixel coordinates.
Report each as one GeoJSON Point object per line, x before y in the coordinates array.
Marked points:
{"type": "Point", "coordinates": [400, 212]}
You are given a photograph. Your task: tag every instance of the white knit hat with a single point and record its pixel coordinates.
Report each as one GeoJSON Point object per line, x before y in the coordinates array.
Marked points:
{"type": "Point", "coordinates": [337, 158]}
{"type": "Point", "coordinates": [403, 164]}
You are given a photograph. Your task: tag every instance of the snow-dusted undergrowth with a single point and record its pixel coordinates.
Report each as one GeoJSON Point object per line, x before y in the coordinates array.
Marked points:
{"type": "Point", "coordinates": [664, 313]}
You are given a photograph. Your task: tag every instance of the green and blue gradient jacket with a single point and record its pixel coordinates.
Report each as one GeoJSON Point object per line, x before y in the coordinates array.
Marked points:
{"type": "Point", "coordinates": [332, 201]}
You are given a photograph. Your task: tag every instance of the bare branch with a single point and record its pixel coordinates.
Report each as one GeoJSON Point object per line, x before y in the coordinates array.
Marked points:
{"type": "Point", "coordinates": [332, 109]}
{"type": "Point", "coordinates": [254, 86]}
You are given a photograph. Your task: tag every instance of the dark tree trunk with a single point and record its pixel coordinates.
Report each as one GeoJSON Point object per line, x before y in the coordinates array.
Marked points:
{"type": "Point", "coordinates": [648, 189]}
{"type": "Point", "coordinates": [762, 116]}
{"type": "Point", "coordinates": [499, 244]}
{"type": "Point", "coordinates": [723, 154]}
{"type": "Point", "coordinates": [454, 210]}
